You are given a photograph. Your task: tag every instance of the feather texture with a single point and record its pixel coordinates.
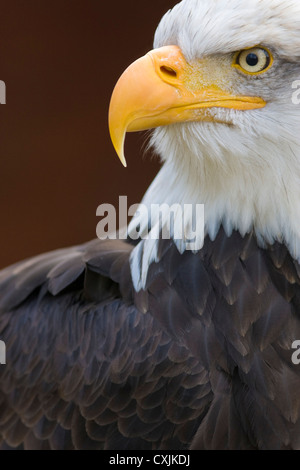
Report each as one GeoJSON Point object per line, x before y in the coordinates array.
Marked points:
{"type": "Point", "coordinates": [205, 363]}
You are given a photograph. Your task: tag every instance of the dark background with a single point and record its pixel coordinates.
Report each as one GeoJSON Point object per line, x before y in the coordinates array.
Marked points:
{"type": "Point", "coordinates": [60, 60]}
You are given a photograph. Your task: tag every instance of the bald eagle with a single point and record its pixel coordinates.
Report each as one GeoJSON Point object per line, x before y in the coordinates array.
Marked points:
{"type": "Point", "coordinates": [146, 344]}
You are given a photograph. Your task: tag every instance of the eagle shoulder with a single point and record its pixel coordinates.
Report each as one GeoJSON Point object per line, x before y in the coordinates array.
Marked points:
{"type": "Point", "coordinates": [99, 262]}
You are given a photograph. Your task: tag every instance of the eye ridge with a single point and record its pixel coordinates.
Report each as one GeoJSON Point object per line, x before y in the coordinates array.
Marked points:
{"type": "Point", "coordinates": [253, 61]}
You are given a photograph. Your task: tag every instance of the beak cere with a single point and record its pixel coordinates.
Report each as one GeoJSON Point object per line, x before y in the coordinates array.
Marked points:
{"type": "Point", "coordinates": [154, 92]}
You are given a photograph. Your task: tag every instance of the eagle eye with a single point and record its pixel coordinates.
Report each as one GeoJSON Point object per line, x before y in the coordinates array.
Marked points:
{"type": "Point", "coordinates": [253, 61]}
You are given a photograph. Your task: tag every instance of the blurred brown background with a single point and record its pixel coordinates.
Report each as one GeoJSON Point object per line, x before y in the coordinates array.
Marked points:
{"type": "Point", "coordinates": [60, 60]}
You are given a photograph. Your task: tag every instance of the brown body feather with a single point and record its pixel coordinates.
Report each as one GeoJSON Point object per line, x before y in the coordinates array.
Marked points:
{"type": "Point", "coordinates": [201, 358]}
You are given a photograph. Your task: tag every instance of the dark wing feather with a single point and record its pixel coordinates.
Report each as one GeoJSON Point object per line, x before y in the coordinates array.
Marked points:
{"type": "Point", "coordinates": [17, 282]}
{"type": "Point", "coordinates": [90, 373]}
{"type": "Point", "coordinates": [201, 357]}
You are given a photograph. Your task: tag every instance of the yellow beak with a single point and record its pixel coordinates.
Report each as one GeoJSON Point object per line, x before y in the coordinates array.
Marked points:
{"type": "Point", "coordinates": [158, 90]}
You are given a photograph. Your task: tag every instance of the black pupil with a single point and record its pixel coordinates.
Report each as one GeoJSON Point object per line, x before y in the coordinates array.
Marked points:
{"type": "Point", "coordinates": [252, 59]}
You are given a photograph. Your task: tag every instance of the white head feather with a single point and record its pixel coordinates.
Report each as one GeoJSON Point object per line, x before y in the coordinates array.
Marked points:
{"type": "Point", "coordinates": [247, 173]}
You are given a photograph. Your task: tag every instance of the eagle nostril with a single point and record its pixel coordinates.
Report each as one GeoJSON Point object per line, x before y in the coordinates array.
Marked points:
{"type": "Point", "coordinates": [168, 71]}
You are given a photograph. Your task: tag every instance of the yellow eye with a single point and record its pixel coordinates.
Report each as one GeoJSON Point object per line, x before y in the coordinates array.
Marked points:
{"type": "Point", "coordinates": [253, 61]}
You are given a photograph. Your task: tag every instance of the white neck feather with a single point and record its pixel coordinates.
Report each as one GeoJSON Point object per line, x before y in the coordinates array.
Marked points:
{"type": "Point", "coordinates": [243, 188]}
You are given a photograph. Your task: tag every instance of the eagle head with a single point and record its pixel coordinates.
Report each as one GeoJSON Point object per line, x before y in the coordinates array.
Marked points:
{"type": "Point", "coordinates": [218, 90]}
